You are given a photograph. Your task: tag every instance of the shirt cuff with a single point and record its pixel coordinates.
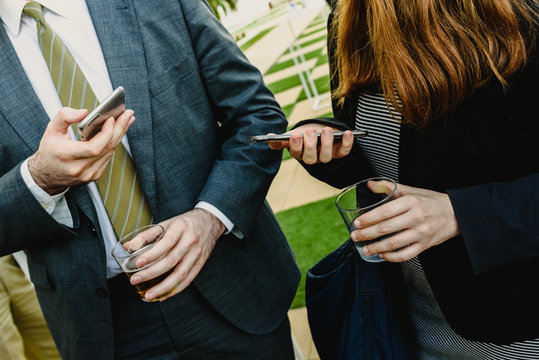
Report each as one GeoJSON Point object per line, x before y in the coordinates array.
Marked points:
{"type": "Point", "coordinates": [54, 205]}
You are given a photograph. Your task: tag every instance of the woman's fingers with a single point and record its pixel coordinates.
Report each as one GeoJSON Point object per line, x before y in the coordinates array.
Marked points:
{"type": "Point", "coordinates": [326, 146]}
{"type": "Point", "coordinates": [403, 254]}
{"type": "Point", "coordinates": [296, 146]}
{"type": "Point", "coordinates": [277, 145]}
{"type": "Point", "coordinates": [314, 143]}
{"type": "Point", "coordinates": [310, 147]}
{"type": "Point", "coordinates": [344, 148]}
{"type": "Point", "coordinates": [419, 219]}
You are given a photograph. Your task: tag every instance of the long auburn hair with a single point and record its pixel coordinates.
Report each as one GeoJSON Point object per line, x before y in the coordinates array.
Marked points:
{"type": "Point", "coordinates": [426, 56]}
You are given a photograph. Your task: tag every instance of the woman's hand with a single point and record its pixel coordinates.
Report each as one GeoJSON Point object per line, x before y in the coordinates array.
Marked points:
{"type": "Point", "coordinates": [309, 150]}
{"type": "Point", "coordinates": [420, 218]}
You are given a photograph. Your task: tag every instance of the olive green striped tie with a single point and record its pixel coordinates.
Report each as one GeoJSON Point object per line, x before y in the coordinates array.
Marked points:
{"type": "Point", "coordinates": [119, 188]}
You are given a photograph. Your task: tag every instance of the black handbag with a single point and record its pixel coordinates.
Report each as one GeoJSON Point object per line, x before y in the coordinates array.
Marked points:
{"type": "Point", "coordinates": [350, 312]}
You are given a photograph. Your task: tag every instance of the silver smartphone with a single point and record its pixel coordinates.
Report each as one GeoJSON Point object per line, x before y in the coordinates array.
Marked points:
{"type": "Point", "coordinates": [113, 106]}
{"type": "Point", "coordinates": [337, 136]}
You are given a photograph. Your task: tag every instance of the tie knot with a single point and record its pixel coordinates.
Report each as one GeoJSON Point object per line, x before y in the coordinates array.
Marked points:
{"type": "Point", "coordinates": [34, 10]}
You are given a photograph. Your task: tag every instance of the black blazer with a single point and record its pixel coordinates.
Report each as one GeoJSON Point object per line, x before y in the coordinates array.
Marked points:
{"type": "Point", "coordinates": [485, 155]}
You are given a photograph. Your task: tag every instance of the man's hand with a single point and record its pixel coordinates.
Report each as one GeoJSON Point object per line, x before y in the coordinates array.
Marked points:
{"type": "Point", "coordinates": [188, 243]}
{"type": "Point", "coordinates": [308, 150]}
{"type": "Point", "coordinates": [61, 162]}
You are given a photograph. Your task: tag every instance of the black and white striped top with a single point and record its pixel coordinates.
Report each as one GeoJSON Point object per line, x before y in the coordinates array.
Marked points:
{"type": "Point", "coordinates": [435, 338]}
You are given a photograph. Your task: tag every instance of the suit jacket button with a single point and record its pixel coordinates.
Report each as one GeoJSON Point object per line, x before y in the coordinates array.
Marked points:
{"type": "Point", "coordinates": [93, 230]}
{"type": "Point", "coordinates": [101, 292]}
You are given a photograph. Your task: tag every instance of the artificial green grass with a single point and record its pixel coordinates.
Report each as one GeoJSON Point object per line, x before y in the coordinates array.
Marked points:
{"type": "Point", "coordinates": [313, 231]}
{"type": "Point", "coordinates": [255, 38]}
{"type": "Point", "coordinates": [316, 22]}
{"type": "Point", "coordinates": [311, 30]}
{"type": "Point", "coordinates": [321, 84]}
{"type": "Point", "coordinates": [317, 53]}
{"type": "Point", "coordinates": [286, 155]}
{"type": "Point", "coordinates": [310, 42]}
{"type": "Point", "coordinates": [285, 84]}
{"type": "Point", "coordinates": [277, 11]}
{"type": "Point", "coordinates": [329, 114]}
{"type": "Point", "coordinates": [323, 59]}
{"type": "Point", "coordinates": [287, 110]}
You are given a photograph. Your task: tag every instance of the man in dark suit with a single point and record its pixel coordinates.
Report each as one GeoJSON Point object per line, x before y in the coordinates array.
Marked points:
{"type": "Point", "coordinates": [196, 99]}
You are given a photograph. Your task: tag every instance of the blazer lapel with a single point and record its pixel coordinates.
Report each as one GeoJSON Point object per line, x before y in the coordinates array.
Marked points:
{"type": "Point", "coordinates": [19, 104]}
{"type": "Point", "coordinates": [124, 55]}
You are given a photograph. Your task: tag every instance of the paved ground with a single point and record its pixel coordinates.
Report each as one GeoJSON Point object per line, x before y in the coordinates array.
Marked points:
{"type": "Point", "coordinates": [293, 186]}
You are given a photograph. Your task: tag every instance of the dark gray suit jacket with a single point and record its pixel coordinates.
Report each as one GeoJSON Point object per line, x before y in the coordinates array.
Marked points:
{"type": "Point", "coordinates": [196, 99]}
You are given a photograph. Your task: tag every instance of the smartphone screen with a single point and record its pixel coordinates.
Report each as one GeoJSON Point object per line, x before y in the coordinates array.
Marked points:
{"type": "Point", "coordinates": [113, 106]}
{"type": "Point", "coordinates": [337, 136]}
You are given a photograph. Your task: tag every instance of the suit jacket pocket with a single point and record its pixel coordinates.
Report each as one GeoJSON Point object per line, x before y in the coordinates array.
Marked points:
{"type": "Point", "coordinates": [39, 276]}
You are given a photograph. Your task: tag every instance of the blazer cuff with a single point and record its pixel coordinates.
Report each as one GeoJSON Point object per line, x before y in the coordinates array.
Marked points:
{"type": "Point", "coordinates": [332, 122]}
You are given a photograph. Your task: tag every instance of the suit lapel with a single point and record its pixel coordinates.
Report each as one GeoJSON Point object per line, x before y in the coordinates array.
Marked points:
{"type": "Point", "coordinates": [19, 104]}
{"type": "Point", "coordinates": [124, 55]}
{"type": "Point", "coordinates": [126, 64]}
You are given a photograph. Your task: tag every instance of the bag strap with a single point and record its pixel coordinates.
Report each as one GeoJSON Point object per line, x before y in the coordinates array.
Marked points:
{"type": "Point", "coordinates": [369, 277]}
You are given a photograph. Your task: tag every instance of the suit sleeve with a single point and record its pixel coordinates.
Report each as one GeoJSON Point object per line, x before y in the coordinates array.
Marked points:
{"type": "Point", "coordinates": [242, 174]}
{"type": "Point", "coordinates": [23, 221]}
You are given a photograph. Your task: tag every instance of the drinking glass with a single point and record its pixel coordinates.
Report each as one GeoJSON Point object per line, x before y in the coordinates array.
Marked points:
{"type": "Point", "coordinates": [358, 199]}
{"type": "Point", "coordinates": [129, 249]}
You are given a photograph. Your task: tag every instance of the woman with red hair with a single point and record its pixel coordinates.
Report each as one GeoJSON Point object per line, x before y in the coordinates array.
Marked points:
{"type": "Point", "coordinates": [448, 92]}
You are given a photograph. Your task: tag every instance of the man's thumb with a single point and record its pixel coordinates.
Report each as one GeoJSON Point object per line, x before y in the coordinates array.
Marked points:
{"type": "Point", "coordinates": [66, 117]}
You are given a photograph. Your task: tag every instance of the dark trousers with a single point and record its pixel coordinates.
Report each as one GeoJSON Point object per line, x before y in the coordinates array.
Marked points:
{"type": "Point", "coordinates": [141, 332]}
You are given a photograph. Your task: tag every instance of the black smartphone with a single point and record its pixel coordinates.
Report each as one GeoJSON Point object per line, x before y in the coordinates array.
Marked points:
{"type": "Point", "coordinates": [113, 106]}
{"type": "Point", "coordinates": [337, 136]}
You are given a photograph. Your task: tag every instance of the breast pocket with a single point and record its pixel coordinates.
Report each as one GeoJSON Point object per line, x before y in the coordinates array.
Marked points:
{"type": "Point", "coordinates": [40, 276]}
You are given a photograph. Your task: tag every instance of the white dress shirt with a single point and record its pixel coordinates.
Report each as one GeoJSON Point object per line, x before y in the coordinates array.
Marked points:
{"type": "Point", "coordinates": [71, 21]}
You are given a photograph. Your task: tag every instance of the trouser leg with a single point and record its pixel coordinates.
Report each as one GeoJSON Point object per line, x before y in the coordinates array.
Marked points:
{"type": "Point", "coordinates": [186, 327]}
{"type": "Point", "coordinates": [26, 313]}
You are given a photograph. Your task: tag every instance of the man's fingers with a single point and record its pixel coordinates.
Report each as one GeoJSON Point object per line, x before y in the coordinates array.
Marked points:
{"type": "Point", "coordinates": [98, 144]}
{"type": "Point", "coordinates": [107, 138]}
{"type": "Point", "coordinates": [188, 279]}
{"type": "Point", "coordinates": [164, 246]}
{"type": "Point", "coordinates": [122, 124]}
{"type": "Point", "coordinates": [94, 170]}
{"type": "Point", "coordinates": [65, 117]}
{"type": "Point", "coordinates": [177, 277]}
